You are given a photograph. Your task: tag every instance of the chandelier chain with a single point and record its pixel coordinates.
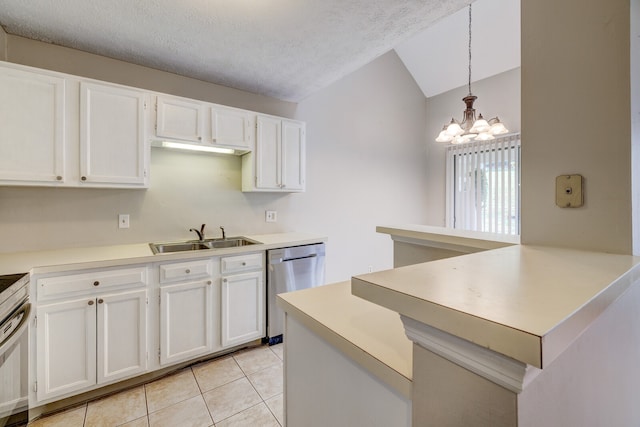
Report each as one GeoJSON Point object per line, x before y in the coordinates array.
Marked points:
{"type": "Point", "coordinates": [469, 48]}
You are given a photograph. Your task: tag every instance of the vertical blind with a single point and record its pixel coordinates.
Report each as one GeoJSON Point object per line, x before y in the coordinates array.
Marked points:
{"type": "Point", "coordinates": [483, 185]}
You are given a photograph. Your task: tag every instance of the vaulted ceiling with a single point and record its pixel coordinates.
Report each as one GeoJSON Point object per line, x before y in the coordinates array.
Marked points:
{"type": "Point", "coordinates": [287, 49]}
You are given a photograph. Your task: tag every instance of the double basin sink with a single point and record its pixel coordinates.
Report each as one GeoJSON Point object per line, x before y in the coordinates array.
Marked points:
{"type": "Point", "coordinates": [198, 245]}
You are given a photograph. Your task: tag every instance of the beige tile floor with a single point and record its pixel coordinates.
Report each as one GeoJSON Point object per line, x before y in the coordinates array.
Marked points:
{"type": "Point", "coordinates": [243, 389]}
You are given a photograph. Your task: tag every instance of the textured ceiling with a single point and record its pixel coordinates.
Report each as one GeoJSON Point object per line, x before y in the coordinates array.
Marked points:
{"type": "Point", "coordinates": [287, 49]}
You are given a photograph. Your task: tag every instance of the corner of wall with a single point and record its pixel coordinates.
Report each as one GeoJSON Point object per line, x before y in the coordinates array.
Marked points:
{"type": "Point", "coordinates": [3, 44]}
{"type": "Point", "coordinates": [635, 122]}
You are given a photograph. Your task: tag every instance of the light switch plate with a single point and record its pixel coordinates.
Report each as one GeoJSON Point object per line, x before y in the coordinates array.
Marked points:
{"type": "Point", "coordinates": [569, 192]}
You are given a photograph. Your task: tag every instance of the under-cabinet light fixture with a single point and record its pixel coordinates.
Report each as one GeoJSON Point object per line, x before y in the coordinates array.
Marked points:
{"type": "Point", "coordinates": [469, 128]}
{"type": "Point", "coordinates": [192, 147]}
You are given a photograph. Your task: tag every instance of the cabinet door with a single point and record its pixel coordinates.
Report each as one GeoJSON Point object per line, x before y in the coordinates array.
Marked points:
{"type": "Point", "coordinates": [268, 153]}
{"type": "Point", "coordinates": [122, 335]}
{"type": "Point", "coordinates": [66, 346]}
{"type": "Point", "coordinates": [32, 117]}
{"type": "Point", "coordinates": [186, 319]}
{"type": "Point", "coordinates": [242, 308]}
{"type": "Point", "coordinates": [293, 155]}
{"type": "Point", "coordinates": [112, 136]}
{"type": "Point", "coordinates": [179, 119]}
{"type": "Point", "coordinates": [230, 126]}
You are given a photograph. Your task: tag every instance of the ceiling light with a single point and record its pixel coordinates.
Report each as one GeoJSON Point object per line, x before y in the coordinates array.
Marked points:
{"type": "Point", "coordinates": [471, 128]}
{"type": "Point", "coordinates": [192, 147]}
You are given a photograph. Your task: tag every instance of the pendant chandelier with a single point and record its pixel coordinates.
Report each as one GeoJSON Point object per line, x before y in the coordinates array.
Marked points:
{"type": "Point", "coordinates": [471, 128]}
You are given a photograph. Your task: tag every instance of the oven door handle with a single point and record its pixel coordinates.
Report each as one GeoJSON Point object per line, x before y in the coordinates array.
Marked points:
{"type": "Point", "coordinates": [6, 344]}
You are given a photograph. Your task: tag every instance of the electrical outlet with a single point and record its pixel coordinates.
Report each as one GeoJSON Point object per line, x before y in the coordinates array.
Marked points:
{"type": "Point", "coordinates": [123, 221]}
{"type": "Point", "coordinates": [271, 216]}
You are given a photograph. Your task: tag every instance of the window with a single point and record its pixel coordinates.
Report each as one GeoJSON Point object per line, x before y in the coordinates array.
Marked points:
{"type": "Point", "coordinates": [483, 185]}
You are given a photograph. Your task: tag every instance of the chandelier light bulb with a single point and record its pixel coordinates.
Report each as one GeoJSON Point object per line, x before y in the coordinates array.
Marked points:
{"type": "Point", "coordinates": [497, 127]}
{"type": "Point", "coordinates": [454, 128]}
{"type": "Point", "coordinates": [480, 126]}
{"type": "Point", "coordinates": [444, 136]}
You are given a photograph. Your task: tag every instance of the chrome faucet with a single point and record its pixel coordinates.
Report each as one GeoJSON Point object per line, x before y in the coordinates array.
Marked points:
{"type": "Point", "coordinates": [200, 232]}
{"type": "Point", "coordinates": [224, 236]}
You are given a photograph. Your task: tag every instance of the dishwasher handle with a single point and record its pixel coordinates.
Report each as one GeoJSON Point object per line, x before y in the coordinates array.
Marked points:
{"type": "Point", "coordinates": [277, 256]}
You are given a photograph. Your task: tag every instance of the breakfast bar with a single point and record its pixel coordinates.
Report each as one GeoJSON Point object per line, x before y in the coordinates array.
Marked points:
{"type": "Point", "coordinates": [509, 336]}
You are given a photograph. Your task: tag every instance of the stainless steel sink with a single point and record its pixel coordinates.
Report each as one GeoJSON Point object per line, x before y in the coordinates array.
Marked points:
{"type": "Point", "coordinates": [231, 242]}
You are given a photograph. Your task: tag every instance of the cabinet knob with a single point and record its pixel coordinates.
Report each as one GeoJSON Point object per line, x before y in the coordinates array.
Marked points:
{"type": "Point", "coordinates": [83, 178]}
{"type": "Point", "coordinates": [90, 302]}
{"type": "Point", "coordinates": [244, 263]}
{"type": "Point", "coordinates": [187, 271]}
{"type": "Point", "coordinates": [224, 280]}
{"type": "Point", "coordinates": [100, 301]}
{"type": "Point", "coordinates": [209, 282]}
{"type": "Point", "coordinates": [199, 138]}
{"type": "Point", "coordinates": [59, 178]}
{"type": "Point", "coordinates": [96, 283]}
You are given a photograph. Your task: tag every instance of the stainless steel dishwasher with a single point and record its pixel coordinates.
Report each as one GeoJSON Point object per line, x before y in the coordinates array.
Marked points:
{"type": "Point", "coordinates": [290, 269]}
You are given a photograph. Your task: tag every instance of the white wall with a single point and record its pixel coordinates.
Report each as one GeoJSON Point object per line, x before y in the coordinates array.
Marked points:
{"type": "Point", "coordinates": [498, 95]}
{"type": "Point", "coordinates": [365, 154]}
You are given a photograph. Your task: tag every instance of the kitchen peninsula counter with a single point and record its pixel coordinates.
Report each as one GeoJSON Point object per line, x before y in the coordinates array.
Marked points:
{"type": "Point", "coordinates": [369, 334]}
{"type": "Point", "coordinates": [528, 303]}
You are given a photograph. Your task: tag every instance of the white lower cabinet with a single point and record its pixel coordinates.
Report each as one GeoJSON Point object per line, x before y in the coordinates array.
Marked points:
{"type": "Point", "coordinates": [96, 327]}
{"type": "Point", "coordinates": [90, 341]}
{"type": "Point", "coordinates": [188, 298]}
{"type": "Point", "coordinates": [186, 321]}
{"type": "Point", "coordinates": [242, 299]}
{"type": "Point", "coordinates": [242, 308]}
{"type": "Point", "coordinates": [122, 335]}
{"type": "Point", "coordinates": [66, 342]}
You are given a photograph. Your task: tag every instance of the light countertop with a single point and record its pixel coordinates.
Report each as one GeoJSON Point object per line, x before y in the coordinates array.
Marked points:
{"type": "Point", "coordinates": [447, 238]}
{"type": "Point", "coordinates": [526, 302]}
{"type": "Point", "coordinates": [106, 256]}
{"type": "Point", "coordinates": [371, 335]}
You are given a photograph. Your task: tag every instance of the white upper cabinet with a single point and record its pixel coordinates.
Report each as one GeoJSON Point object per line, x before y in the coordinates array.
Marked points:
{"type": "Point", "coordinates": [293, 155]}
{"type": "Point", "coordinates": [178, 118]}
{"type": "Point", "coordinates": [202, 123]}
{"type": "Point", "coordinates": [278, 164]}
{"type": "Point", "coordinates": [32, 117]}
{"type": "Point", "coordinates": [230, 126]}
{"type": "Point", "coordinates": [112, 136]}
{"type": "Point", "coordinates": [63, 130]}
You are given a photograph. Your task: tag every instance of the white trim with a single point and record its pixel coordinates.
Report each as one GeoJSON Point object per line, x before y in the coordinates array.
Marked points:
{"type": "Point", "coordinates": [498, 368]}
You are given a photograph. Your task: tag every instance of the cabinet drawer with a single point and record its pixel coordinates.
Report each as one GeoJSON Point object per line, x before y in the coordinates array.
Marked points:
{"type": "Point", "coordinates": [238, 263]}
{"type": "Point", "coordinates": [59, 286]}
{"type": "Point", "coordinates": [185, 271]}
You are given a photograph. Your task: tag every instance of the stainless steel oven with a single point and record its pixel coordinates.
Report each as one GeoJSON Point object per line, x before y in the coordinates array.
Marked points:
{"type": "Point", "coordinates": [14, 349]}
